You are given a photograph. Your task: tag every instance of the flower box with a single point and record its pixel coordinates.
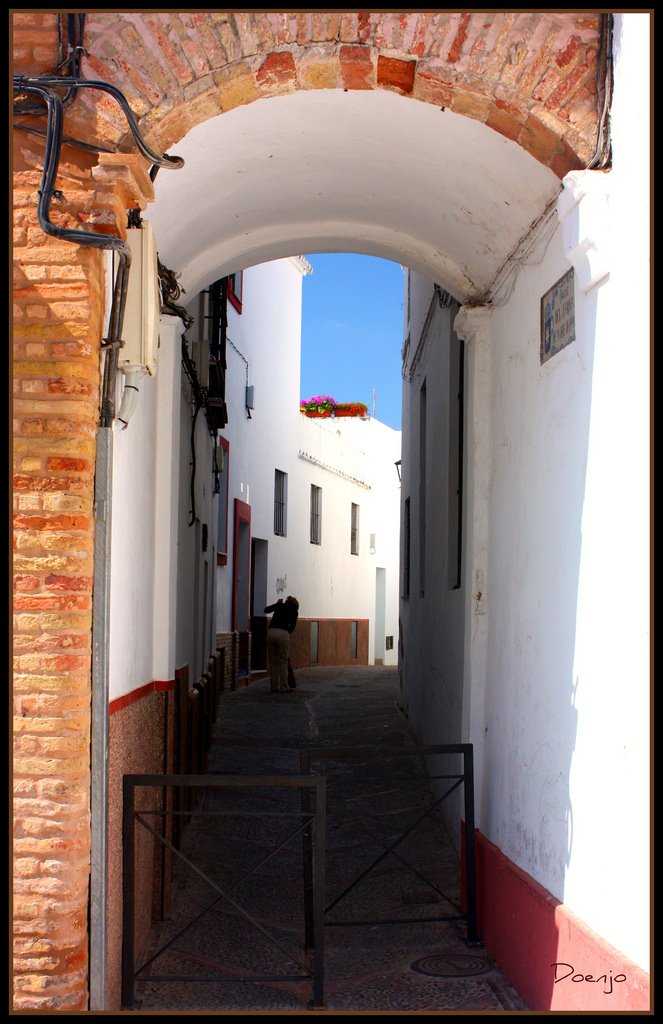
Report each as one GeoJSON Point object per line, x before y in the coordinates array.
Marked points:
{"type": "Point", "coordinates": [325, 405]}
{"type": "Point", "coordinates": [351, 409]}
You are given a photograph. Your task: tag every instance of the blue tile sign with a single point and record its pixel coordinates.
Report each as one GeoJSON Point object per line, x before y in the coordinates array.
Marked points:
{"type": "Point", "coordinates": [558, 318]}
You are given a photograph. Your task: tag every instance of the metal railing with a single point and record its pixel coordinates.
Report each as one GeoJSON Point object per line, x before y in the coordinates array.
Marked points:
{"type": "Point", "coordinates": [310, 823]}
{"type": "Point", "coordinates": [464, 778]}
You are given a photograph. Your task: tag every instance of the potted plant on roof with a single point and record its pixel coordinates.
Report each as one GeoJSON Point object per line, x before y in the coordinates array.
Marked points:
{"type": "Point", "coordinates": [317, 405]}
{"type": "Point", "coordinates": [351, 409]}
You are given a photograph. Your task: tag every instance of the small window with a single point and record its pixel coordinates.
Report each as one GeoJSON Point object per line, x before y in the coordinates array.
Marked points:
{"type": "Point", "coordinates": [280, 502]}
{"type": "Point", "coordinates": [354, 530]}
{"type": "Point", "coordinates": [316, 511]}
{"type": "Point", "coordinates": [353, 639]}
{"type": "Point", "coordinates": [221, 487]}
{"type": "Point", "coordinates": [235, 290]}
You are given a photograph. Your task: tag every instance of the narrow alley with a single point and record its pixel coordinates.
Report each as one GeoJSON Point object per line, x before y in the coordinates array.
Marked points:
{"type": "Point", "coordinates": [407, 950]}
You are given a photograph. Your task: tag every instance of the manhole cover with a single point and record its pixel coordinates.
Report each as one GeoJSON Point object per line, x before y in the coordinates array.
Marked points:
{"type": "Point", "coordinates": [450, 965]}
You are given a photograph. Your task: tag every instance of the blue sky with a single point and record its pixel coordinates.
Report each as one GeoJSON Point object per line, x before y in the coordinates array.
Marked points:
{"type": "Point", "coordinates": [352, 332]}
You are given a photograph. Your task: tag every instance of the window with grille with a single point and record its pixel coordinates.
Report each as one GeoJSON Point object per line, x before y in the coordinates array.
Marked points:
{"type": "Point", "coordinates": [280, 502]}
{"type": "Point", "coordinates": [223, 453]}
{"type": "Point", "coordinates": [316, 512]}
{"type": "Point", "coordinates": [354, 530]}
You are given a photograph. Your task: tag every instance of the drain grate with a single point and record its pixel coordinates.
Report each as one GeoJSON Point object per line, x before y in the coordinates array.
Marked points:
{"type": "Point", "coordinates": [450, 965]}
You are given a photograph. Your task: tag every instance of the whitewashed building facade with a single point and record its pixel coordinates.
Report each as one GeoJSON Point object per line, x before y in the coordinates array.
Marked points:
{"type": "Point", "coordinates": [307, 507]}
{"type": "Point", "coordinates": [526, 573]}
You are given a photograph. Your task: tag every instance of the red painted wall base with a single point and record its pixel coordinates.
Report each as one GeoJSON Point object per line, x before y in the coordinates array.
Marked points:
{"type": "Point", "coordinates": [551, 957]}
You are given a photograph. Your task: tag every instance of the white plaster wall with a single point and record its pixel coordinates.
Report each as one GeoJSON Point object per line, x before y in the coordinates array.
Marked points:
{"type": "Point", "coordinates": [352, 461]}
{"type": "Point", "coordinates": [566, 771]}
{"type": "Point", "coordinates": [157, 600]}
{"type": "Point", "coordinates": [143, 577]}
{"type": "Point", "coordinates": [564, 776]}
{"type": "Point", "coordinates": [132, 547]}
{"type": "Point", "coordinates": [611, 831]}
{"type": "Point", "coordinates": [267, 333]}
{"type": "Point", "coordinates": [539, 427]}
{"type": "Point", "coordinates": [431, 660]}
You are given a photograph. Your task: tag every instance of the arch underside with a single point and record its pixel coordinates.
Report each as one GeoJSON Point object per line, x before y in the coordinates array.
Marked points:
{"type": "Point", "coordinates": [435, 139]}
{"type": "Point", "coordinates": [365, 172]}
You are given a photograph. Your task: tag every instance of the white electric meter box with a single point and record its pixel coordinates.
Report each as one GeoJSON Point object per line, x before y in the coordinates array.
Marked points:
{"type": "Point", "coordinates": [140, 330]}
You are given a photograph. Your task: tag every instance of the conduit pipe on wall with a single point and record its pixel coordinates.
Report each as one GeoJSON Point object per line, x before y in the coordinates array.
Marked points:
{"type": "Point", "coordinates": [23, 83]}
{"type": "Point", "coordinates": [103, 498]}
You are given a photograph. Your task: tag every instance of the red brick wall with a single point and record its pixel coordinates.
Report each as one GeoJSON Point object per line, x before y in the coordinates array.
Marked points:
{"type": "Point", "coordinates": [58, 308]}
{"type": "Point", "coordinates": [57, 319]}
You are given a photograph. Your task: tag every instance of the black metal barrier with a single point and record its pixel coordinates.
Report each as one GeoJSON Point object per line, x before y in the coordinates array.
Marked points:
{"type": "Point", "coordinates": [464, 778]}
{"type": "Point", "coordinates": [311, 824]}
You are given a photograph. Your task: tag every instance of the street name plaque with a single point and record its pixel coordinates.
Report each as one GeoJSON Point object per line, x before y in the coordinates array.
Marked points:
{"type": "Point", "coordinates": [558, 321]}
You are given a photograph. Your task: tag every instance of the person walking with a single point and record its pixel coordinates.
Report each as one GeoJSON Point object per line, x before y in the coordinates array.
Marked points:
{"type": "Point", "coordinates": [281, 626]}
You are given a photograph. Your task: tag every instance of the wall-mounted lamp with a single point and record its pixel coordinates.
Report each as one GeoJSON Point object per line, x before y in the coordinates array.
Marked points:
{"type": "Point", "coordinates": [397, 464]}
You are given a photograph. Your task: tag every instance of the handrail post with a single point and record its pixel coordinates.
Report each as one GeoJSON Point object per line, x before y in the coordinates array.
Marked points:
{"type": "Point", "coordinates": [470, 853]}
{"type": "Point", "coordinates": [307, 854]}
{"type": "Point", "coordinates": [318, 1002]}
{"type": "Point", "coordinates": [128, 952]}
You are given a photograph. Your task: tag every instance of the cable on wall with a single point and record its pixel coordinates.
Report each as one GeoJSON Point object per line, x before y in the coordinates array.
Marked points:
{"type": "Point", "coordinates": [602, 158]}
{"type": "Point", "coordinates": [246, 363]}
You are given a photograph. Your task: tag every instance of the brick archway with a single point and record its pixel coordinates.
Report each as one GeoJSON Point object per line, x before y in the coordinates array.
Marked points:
{"type": "Point", "coordinates": [530, 77]}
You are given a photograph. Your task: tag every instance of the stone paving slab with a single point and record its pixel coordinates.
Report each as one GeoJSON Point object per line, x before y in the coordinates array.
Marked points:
{"type": "Point", "coordinates": [407, 966]}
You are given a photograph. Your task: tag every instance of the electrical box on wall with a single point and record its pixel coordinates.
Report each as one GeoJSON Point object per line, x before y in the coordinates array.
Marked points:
{"type": "Point", "coordinates": [140, 330]}
{"type": "Point", "coordinates": [200, 356]}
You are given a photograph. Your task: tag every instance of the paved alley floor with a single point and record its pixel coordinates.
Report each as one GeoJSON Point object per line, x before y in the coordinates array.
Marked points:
{"type": "Point", "coordinates": [415, 963]}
